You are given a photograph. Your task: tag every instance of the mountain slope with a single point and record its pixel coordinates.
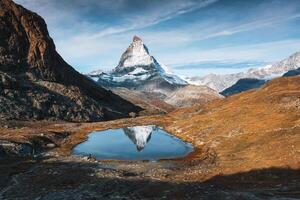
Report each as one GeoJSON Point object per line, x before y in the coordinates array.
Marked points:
{"type": "Point", "coordinates": [294, 72]}
{"type": "Point", "coordinates": [191, 95]}
{"type": "Point", "coordinates": [37, 83]}
{"type": "Point", "coordinates": [256, 129]}
{"type": "Point", "coordinates": [243, 85]}
{"type": "Point", "coordinates": [150, 104]}
{"type": "Point", "coordinates": [290, 63]}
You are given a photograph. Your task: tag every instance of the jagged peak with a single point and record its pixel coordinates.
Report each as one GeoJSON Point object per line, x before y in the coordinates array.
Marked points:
{"type": "Point", "coordinates": [138, 44]}
{"type": "Point", "coordinates": [136, 39]}
{"type": "Point", "coordinates": [137, 62]}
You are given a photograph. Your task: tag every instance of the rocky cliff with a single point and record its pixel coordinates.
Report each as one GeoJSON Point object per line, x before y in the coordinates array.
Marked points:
{"type": "Point", "coordinates": [35, 81]}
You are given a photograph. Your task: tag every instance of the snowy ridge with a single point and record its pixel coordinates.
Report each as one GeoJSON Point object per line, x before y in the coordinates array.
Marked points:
{"type": "Point", "coordinates": [221, 82]}
{"type": "Point", "coordinates": [95, 73]}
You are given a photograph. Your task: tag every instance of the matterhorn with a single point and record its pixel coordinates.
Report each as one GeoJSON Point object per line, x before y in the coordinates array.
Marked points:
{"type": "Point", "coordinates": [140, 77]}
{"type": "Point", "coordinates": [138, 70]}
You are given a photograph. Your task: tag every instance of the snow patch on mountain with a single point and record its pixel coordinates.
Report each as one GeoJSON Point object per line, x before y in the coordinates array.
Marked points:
{"type": "Point", "coordinates": [136, 55]}
{"type": "Point", "coordinates": [95, 72]}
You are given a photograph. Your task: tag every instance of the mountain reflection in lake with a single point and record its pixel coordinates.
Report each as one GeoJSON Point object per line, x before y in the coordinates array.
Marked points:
{"type": "Point", "coordinates": [133, 143]}
{"type": "Point", "coordinates": [139, 135]}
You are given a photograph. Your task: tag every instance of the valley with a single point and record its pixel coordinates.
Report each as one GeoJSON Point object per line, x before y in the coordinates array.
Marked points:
{"type": "Point", "coordinates": [246, 150]}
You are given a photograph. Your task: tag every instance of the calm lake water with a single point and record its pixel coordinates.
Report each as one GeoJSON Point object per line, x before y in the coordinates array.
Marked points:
{"type": "Point", "coordinates": [133, 143]}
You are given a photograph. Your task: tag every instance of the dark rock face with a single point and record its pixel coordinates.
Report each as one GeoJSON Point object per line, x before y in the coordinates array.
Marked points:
{"type": "Point", "coordinates": [294, 72]}
{"type": "Point", "coordinates": [243, 85]}
{"type": "Point", "coordinates": [36, 83]}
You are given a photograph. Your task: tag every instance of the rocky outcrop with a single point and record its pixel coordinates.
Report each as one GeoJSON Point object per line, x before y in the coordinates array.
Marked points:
{"type": "Point", "coordinates": [36, 83]}
{"type": "Point", "coordinates": [14, 149]}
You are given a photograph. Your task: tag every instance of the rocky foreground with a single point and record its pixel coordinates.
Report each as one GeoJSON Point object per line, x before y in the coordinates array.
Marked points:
{"type": "Point", "coordinates": [246, 147]}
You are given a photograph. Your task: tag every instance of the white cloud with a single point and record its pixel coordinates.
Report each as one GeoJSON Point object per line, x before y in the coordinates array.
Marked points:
{"type": "Point", "coordinates": [156, 16]}
{"type": "Point", "coordinates": [270, 51]}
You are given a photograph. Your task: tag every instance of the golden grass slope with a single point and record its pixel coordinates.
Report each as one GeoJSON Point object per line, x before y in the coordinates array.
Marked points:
{"type": "Point", "coordinates": [252, 130]}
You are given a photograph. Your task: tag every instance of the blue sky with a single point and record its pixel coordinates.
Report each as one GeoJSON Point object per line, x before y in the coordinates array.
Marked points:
{"type": "Point", "coordinates": [192, 37]}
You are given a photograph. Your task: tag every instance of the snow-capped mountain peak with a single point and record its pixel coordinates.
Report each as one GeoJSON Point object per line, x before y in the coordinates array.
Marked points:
{"type": "Point", "coordinates": [137, 68]}
{"type": "Point", "coordinates": [136, 54]}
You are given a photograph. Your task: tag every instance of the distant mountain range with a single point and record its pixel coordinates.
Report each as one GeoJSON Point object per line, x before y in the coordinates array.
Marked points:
{"type": "Point", "coordinates": [222, 82]}
{"type": "Point", "coordinates": [245, 84]}
{"type": "Point", "coordinates": [141, 73]}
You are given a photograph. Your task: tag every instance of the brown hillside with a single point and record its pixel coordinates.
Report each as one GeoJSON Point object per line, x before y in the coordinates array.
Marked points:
{"type": "Point", "coordinates": [253, 130]}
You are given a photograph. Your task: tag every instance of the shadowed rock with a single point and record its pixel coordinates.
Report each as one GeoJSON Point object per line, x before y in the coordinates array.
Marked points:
{"type": "Point", "coordinates": [294, 72]}
{"type": "Point", "coordinates": [243, 85]}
